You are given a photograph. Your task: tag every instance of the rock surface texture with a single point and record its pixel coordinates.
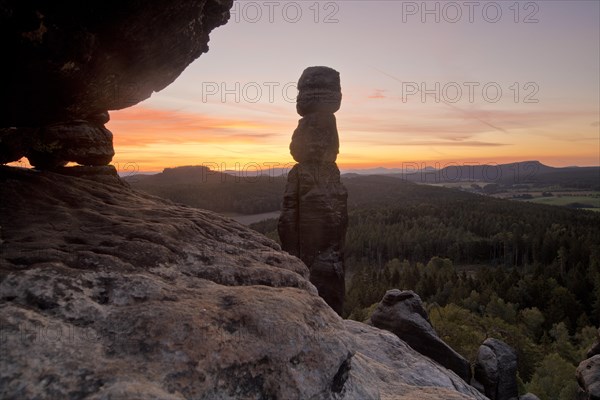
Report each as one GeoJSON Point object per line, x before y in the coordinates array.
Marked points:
{"type": "Point", "coordinates": [496, 370]}
{"type": "Point", "coordinates": [529, 396]}
{"type": "Point", "coordinates": [588, 376]}
{"type": "Point", "coordinates": [595, 349]}
{"type": "Point", "coordinates": [72, 61]}
{"type": "Point", "coordinates": [314, 216]}
{"type": "Point", "coordinates": [109, 293]}
{"type": "Point", "coordinates": [402, 313]}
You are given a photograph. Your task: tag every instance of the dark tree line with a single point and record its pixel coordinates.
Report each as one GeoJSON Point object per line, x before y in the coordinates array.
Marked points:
{"type": "Point", "coordinates": [424, 221]}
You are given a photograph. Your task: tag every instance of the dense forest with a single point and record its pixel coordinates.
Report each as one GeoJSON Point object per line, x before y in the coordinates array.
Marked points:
{"type": "Point", "coordinates": [525, 273]}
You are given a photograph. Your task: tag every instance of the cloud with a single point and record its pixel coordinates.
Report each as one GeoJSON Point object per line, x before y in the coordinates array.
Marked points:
{"type": "Point", "coordinates": [459, 143]}
{"type": "Point", "coordinates": [378, 94]}
{"type": "Point", "coordinates": [139, 126]}
{"type": "Point", "coordinates": [452, 142]}
{"type": "Point", "coordinates": [445, 124]}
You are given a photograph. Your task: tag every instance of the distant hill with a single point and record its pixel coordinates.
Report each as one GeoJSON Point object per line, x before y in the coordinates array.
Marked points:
{"type": "Point", "coordinates": [200, 187]}
{"type": "Point", "coordinates": [180, 175]}
{"type": "Point", "coordinates": [524, 172]}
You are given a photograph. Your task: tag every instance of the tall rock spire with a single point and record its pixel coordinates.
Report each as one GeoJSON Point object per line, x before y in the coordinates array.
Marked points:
{"type": "Point", "coordinates": [313, 222]}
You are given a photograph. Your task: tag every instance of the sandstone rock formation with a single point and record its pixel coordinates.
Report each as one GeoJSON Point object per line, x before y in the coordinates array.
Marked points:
{"type": "Point", "coordinates": [314, 217]}
{"type": "Point", "coordinates": [319, 91]}
{"type": "Point", "coordinates": [588, 376]}
{"type": "Point", "coordinates": [529, 396]}
{"type": "Point", "coordinates": [595, 349]}
{"type": "Point", "coordinates": [402, 313]}
{"type": "Point", "coordinates": [496, 370]}
{"type": "Point", "coordinates": [71, 61]}
{"type": "Point", "coordinates": [109, 293]}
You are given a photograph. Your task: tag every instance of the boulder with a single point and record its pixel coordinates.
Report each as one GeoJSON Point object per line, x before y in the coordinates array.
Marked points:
{"type": "Point", "coordinates": [588, 376]}
{"type": "Point", "coordinates": [496, 370]}
{"type": "Point", "coordinates": [78, 141]}
{"type": "Point", "coordinates": [319, 90]}
{"type": "Point", "coordinates": [402, 313]}
{"type": "Point", "coordinates": [110, 293]}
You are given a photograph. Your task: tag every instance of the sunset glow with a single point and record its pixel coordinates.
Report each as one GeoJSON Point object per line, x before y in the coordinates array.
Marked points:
{"type": "Point", "coordinates": [427, 92]}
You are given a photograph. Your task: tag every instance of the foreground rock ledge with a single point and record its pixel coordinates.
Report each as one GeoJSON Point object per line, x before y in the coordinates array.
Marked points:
{"type": "Point", "coordinates": [109, 293]}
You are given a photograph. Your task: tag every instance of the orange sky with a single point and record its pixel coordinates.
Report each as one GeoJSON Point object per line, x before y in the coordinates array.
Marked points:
{"type": "Point", "coordinates": [153, 139]}
{"type": "Point", "coordinates": [232, 106]}
{"type": "Point", "coordinates": [235, 104]}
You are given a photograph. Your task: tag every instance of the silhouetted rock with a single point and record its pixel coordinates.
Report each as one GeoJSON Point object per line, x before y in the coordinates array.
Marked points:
{"type": "Point", "coordinates": [496, 370]}
{"type": "Point", "coordinates": [315, 192]}
{"type": "Point", "coordinates": [315, 139]}
{"type": "Point", "coordinates": [110, 293]}
{"type": "Point", "coordinates": [12, 144]}
{"type": "Point", "coordinates": [402, 313]}
{"type": "Point", "coordinates": [314, 215]}
{"type": "Point", "coordinates": [588, 376]}
{"type": "Point", "coordinates": [72, 61]}
{"type": "Point", "coordinates": [77, 141]}
{"type": "Point", "coordinates": [313, 223]}
{"type": "Point", "coordinates": [319, 90]}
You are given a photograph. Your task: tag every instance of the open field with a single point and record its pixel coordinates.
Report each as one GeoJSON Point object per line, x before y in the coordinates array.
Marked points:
{"type": "Point", "coordinates": [574, 201]}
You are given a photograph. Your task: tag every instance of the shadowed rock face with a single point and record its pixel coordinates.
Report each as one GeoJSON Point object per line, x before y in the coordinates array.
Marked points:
{"type": "Point", "coordinates": [315, 139]}
{"type": "Point", "coordinates": [496, 370]}
{"type": "Point", "coordinates": [314, 216]}
{"type": "Point", "coordinates": [402, 313]}
{"type": "Point", "coordinates": [75, 60]}
{"type": "Point", "coordinates": [319, 91]}
{"type": "Point", "coordinates": [109, 293]}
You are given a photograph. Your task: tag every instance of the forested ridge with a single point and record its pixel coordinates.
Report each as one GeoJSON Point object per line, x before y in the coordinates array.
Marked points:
{"type": "Point", "coordinates": [391, 219]}
{"type": "Point", "coordinates": [200, 187]}
{"type": "Point", "coordinates": [525, 273]}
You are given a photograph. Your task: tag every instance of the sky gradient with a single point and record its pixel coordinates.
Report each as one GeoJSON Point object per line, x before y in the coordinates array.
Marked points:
{"type": "Point", "coordinates": [414, 89]}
